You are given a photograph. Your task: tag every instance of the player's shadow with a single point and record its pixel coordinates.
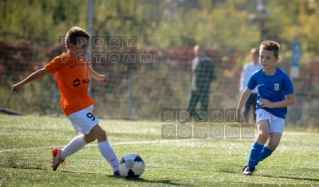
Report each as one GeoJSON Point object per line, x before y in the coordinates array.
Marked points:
{"type": "Point", "coordinates": [294, 178]}
{"type": "Point", "coordinates": [224, 169]}
{"type": "Point", "coordinates": [141, 180]}
{"type": "Point", "coordinates": [86, 173]}
{"type": "Point", "coordinates": [313, 171]}
{"type": "Point", "coordinates": [28, 167]}
{"type": "Point", "coordinates": [20, 164]}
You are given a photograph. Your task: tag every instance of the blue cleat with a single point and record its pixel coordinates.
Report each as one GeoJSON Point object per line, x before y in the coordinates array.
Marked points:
{"type": "Point", "coordinates": [117, 173]}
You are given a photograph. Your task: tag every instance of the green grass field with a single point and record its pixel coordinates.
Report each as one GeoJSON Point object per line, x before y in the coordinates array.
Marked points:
{"type": "Point", "coordinates": [26, 143]}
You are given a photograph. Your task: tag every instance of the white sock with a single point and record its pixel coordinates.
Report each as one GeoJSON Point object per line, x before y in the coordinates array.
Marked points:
{"type": "Point", "coordinates": [109, 154]}
{"type": "Point", "coordinates": [74, 145]}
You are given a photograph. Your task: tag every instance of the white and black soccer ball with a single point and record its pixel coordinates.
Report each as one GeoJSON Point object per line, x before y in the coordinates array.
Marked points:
{"type": "Point", "coordinates": [131, 165]}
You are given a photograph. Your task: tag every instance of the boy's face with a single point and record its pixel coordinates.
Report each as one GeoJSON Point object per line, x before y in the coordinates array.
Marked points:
{"type": "Point", "coordinates": [80, 49]}
{"type": "Point", "coordinates": [267, 59]}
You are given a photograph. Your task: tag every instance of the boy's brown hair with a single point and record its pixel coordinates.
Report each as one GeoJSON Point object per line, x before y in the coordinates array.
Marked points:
{"type": "Point", "coordinates": [75, 35]}
{"type": "Point", "coordinates": [271, 46]}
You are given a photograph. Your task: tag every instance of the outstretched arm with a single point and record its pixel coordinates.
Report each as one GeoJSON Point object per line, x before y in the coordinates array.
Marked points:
{"type": "Point", "coordinates": [289, 101]}
{"type": "Point", "coordinates": [243, 99]}
{"type": "Point", "coordinates": [96, 76]}
{"type": "Point", "coordinates": [34, 76]}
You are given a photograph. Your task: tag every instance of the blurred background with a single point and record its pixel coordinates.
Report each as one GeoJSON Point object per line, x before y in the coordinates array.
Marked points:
{"type": "Point", "coordinates": [168, 29]}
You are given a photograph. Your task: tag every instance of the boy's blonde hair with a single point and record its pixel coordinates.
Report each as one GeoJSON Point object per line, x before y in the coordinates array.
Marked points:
{"type": "Point", "coordinates": [254, 51]}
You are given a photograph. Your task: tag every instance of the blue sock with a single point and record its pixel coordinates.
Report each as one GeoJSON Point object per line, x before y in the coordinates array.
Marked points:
{"type": "Point", "coordinates": [254, 154]}
{"type": "Point", "coordinates": [266, 152]}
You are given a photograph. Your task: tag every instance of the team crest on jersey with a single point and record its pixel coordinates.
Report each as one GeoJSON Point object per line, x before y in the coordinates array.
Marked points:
{"type": "Point", "coordinates": [276, 86]}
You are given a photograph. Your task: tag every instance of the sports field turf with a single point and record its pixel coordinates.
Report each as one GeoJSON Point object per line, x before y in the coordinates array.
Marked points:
{"type": "Point", "coordinates": [26, 143]}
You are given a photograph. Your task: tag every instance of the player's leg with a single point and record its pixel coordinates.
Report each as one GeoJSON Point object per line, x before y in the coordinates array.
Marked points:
{"type": "Point", "coordinates": [76, 144]}
{"type": "Point", "coordinates": [73, 146]}
{"type": "Point", "coordinates": [274, 139]}
{"type": "Point", "coordinates": [262, 137]}
{"type": "Point", "coordinates": [276, 129]}
{"type": "Point", "coordinates": [247, 107]}
{"type": "Point", "coordinates": [192, 102]}
{"type": "Point", "coordinates": [204, 101]}
{"type": "Point", "coordinates": [85, 122]}
{"type": "Point", "coordinates": [105, 148]}
{"type": "Point", "coordinates": [253, 104]}
{"type": "Point", "coordinates": [79, 121]}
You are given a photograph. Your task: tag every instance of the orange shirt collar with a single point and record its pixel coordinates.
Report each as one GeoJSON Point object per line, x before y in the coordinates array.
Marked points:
{"type": "Point", "coordinates": [72, 59]}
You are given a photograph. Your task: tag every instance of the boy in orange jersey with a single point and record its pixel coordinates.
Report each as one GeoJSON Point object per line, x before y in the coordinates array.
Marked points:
{"type": "Point", "coordinates": [73, 74]}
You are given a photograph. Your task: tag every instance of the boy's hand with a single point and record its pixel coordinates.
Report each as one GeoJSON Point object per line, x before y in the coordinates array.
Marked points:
{"type": "Point", "coordinates": [17, 87]}
{"type": "Point", "coordinates": [102, 78]}
{"type": "Point", "coordinates": [265, 103]}
{"type": "Point", "coordinates": [240, 117]}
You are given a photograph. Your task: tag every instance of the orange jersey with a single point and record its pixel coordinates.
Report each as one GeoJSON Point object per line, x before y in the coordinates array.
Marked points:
{"type": "Point", "coordinates": [73, 80]}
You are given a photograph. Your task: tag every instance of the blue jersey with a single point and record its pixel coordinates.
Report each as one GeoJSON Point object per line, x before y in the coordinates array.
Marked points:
{"type": "Point", "coordinates": [272, 87]}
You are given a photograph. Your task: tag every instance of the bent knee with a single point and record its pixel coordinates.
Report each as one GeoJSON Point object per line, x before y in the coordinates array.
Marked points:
{"type": "Point", "coordinates": [101, 135]}
{"type": "Point", "coordinates": [264, 136]}
{"type": "Point", "coordinates": [98, 133]}
{"type": "Point", "coordinates": [273, 145]}
{"type": "Point", "coordinates": [89, 139]}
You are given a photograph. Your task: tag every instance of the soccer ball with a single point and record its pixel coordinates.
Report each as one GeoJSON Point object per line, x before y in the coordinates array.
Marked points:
{"type": "Point", "coordinates": [131, 165]}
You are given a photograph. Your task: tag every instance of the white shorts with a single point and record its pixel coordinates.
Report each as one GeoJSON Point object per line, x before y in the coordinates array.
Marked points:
{"type": "Point", "coordinates": [276, 124]}
{"type": "Point", "coordinates": [83, 121]}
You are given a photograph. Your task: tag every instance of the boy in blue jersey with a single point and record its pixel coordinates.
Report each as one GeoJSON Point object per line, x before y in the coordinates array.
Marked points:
{"type": "Point", "coordinates": [275, 93]}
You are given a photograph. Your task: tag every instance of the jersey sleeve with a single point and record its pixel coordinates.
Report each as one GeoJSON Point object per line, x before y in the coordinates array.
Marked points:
{"type": "Point", "coordinates": [252, 82]}
{"type": "Point", "coordinates": [288, 86]}
{"type": "Point", "coordinates": [54, 65]}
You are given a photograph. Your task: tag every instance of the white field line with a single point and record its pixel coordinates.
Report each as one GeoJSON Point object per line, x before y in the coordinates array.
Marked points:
{"type": "Point", "coordinates": [294, 133]}
{"type": "Point", "coordinates": [94, 144]}
{"type": "Point", "coordinates": [129, 143]}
